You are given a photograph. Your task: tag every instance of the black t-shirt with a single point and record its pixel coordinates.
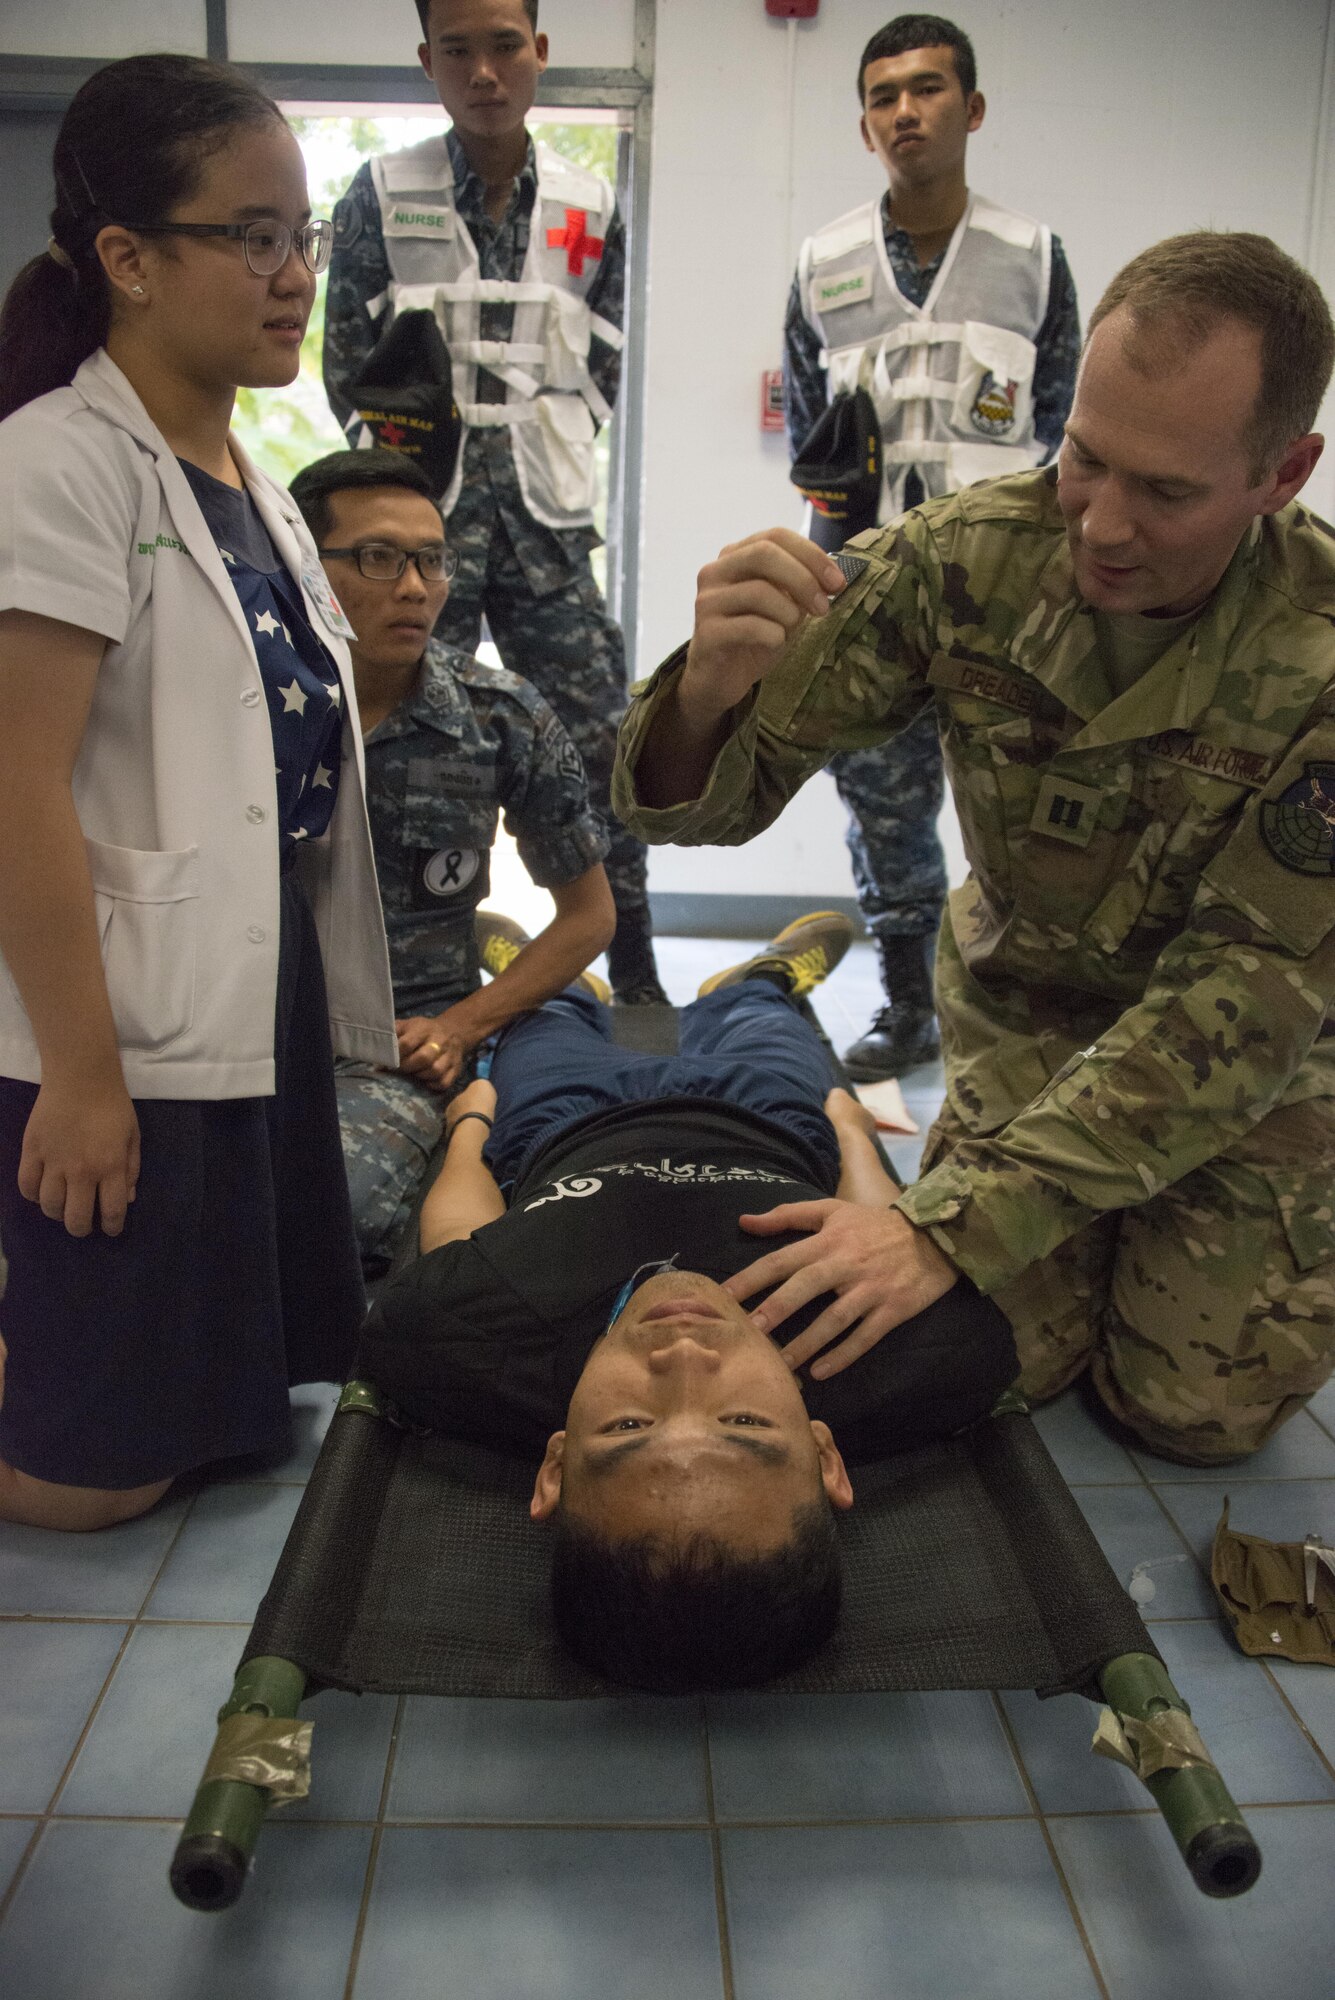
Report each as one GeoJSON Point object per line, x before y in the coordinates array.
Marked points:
{"type": "Point", "coordinates": [485, 1339]}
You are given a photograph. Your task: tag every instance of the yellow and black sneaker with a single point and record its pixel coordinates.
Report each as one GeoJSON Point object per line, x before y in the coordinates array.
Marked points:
{"type": "Point", "coordinates": [500, 940]}
{"type": "Point", "coordinates": [804, 953]}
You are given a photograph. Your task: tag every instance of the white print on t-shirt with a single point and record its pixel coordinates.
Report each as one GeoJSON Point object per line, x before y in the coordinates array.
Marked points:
{"type": "Point", "coordinates": [687, 1174]}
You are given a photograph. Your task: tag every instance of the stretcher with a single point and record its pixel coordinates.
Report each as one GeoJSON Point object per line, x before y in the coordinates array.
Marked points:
{"type": "Point", "coordinates": [412, 1568]}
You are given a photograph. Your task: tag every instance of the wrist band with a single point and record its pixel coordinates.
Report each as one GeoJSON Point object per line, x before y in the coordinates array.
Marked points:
{"type": "Point", "coordinates": [464, 1117]}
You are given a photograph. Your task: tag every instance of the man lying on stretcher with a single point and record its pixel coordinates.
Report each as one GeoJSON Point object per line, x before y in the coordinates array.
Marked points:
{"type": "Point", "coordinates": [582, 1293]}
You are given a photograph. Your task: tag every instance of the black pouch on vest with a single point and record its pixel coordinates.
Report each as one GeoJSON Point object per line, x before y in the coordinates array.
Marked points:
{"type": "Point", "coordinates": [404, 392]}
{"type": "Point", "coordinates": [838, 469]}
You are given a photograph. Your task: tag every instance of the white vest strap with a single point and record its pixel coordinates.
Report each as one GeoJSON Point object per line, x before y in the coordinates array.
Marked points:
{"type": "Point", "coordinates": [496, 292]}
{"type": "Point", "coordinates": [498, 416]}
{"type": "Point", "coordinates": [919, 451]}
{"type": "Point", "coordinates": [611, 336]}
{"type": "Point", "coordinates": [600, 408]}
{"type": "Point", "coordinates": [921, 333]}
{"type": "Point", "coordinates": [916, 389]}
{"type": "Point", "coordinates": [498, 354]}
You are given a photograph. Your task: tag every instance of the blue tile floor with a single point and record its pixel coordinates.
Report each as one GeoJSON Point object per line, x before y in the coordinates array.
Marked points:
{"type": "Point", "coordinates": [872, 1847]}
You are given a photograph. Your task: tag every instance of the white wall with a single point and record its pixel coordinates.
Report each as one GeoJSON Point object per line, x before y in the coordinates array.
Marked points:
{"type": "Point", "coordinates": [112, 28]}
{"type": "Point", "coordinates": [583, 33]}
{"type": "Point", "coordinates": [1117, 124]}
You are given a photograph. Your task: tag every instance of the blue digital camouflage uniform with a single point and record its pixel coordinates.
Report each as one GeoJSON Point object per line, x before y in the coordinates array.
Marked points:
{"type": "Point", "coordinates": [895, 792]}
{"type": "Point", "coordinates": [1136, 984]}
{"type": "Point", "coordinates": [532, 583]}
{"type": "Point", "coordinates": [471, 743]}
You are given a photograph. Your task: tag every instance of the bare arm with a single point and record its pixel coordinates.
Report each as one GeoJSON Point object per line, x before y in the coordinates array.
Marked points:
{"type": "Point", "coordinates": [464, 1195]}
{"type": "Point", "coordinates": [81, 1146]}
{"type": "Point", "coordinates": [862, 1175]}
{"type": "Point", "coordinates": [748, 605]}
{"type": "Point", "coordinates": [582, 927]}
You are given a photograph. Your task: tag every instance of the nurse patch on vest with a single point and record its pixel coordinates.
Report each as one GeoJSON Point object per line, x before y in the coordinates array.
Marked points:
{"type": "Point", "coordinates": [415, 218]}
{"type": "Point", "coordinates": [1299, 826]}
{"type": "Point", "coordinates": [841, 288]}
{"type": "Point", "coordinates": [441, 874]}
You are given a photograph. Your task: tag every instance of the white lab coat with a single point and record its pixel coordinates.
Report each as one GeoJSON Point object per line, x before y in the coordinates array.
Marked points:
{"type": "Point", "coordinates": [174, 785]}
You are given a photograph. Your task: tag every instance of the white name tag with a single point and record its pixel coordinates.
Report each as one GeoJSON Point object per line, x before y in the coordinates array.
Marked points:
{"type": "Point", "coordinates": [410, 218]}
{"type": "Point", "coordinates": [841, 288]}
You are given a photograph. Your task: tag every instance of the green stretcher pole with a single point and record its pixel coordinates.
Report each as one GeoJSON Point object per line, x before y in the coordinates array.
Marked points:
{"type": "Point", "coordinates": [1216, 1842]}
{"type": "Point", "coordinates": [208, 1870]}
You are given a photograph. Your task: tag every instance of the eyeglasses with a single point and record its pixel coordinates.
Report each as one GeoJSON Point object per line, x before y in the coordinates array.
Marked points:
{"type": "Point", "coordinates": [267, 245]}
{"type": "Point", "coordinates": [383, 563]}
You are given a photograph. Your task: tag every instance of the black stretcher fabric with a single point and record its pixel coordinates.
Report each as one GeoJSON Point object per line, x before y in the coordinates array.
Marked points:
{"type": "Point", "coordinates": [412, 1566]}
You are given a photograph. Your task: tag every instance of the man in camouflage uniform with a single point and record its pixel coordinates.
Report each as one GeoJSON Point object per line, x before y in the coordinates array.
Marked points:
{"type": "Point", "coordinates": [919, 102]}
{"type": "Point", "coordinates": [532, 582]}
{"type": "Point", "coordinates": [1133, 668]}
{"type": "Point", "coordinates": [450, 744]}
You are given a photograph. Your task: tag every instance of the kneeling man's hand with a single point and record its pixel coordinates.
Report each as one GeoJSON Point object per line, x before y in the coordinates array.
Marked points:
{"type": "Point", "coordinates": [880, 1267]}
{"type": "Point", "coordinates": [430, 1050]}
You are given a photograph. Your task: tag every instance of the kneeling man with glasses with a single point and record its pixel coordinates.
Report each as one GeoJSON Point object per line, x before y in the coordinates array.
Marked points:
{"type": "Point", "coordinates": [450, 744]}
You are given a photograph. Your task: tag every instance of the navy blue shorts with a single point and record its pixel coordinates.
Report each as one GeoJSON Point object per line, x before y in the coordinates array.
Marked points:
{"type": "Point", "coordinates": [744, 1045]}
{"type": "Point", "coordinates": [137, 1357]}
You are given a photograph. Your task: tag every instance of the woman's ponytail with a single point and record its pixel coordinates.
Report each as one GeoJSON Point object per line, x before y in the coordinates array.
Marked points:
{"type": "Point", "coordinates": [54, 316]}
{"type": "Point", "coordinates": [130, 149]}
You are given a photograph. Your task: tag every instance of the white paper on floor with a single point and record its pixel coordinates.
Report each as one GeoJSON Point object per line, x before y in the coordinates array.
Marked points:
{"type": "Point", "coordinates": [886, 1101]}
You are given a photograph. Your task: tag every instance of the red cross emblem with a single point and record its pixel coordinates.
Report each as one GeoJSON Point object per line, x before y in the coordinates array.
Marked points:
{"type": "Point", "coordinates": [575, 240]}
{"type": "Point", "coordinates": [392, 433]}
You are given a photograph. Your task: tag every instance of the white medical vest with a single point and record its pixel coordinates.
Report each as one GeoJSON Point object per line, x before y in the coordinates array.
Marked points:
{"type": "Point", "coordinates": [552, 405]}
{"type": "Point", "coordinates": [952, 379]}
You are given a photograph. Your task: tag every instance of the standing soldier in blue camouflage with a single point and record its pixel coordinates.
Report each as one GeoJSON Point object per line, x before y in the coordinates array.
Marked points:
{"type": "Point", "coordinates": [521, 255]}
{"type": "Point", "coordinates": [1132, 659]}
{"type": "Point", "coordinates": [959, 319]}
{"type": "Point", "coordinates": [449, 745]}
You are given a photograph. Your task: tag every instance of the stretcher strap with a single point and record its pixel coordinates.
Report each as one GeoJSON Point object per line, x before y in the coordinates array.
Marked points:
{"type": "Point", "coordinates": [1168, 1741]}
{"type": "Point", "coordinates": [267, 1750]}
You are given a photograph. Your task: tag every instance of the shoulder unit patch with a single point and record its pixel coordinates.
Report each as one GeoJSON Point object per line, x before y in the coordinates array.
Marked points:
{"type": "Point", "coordinates": [1299, 826]}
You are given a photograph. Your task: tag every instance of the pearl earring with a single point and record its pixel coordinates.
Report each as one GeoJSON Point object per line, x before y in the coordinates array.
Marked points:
{"type": "Point", "coordinates": [138, 291]}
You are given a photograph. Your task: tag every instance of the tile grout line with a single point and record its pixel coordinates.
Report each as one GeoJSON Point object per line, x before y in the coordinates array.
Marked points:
{"type": "Point", "coordinates": [45, 1817]}
{"type": "Point", "coordinates": [795, 1825]}
{"type": "Point", "coordinates": [21, 1870]}
{"type": "Point", "coordinates": [131, 1625]}
{"type": "Point", "coordinates": [1051, 1846]}
{"type": "Point", "coordinates": [1213, 1617]}
{"type": "Point", "coordinates": [106, 1618]}
{"type": "Point", "coordinates": [373, 1853]}
{"type": "Point", "coordinates": [1320, 1422]}
{"type": "Point", "coordinates": [1327, 1763]}
{"type": "Point", "coordinates": [716, 1861]}
{"type": "Point", "coordinates": [130, 1630]}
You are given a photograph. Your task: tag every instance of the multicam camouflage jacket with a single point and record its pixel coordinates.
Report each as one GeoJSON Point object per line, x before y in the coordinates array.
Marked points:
{"type": "Point", "coordinates": [1142, 961]}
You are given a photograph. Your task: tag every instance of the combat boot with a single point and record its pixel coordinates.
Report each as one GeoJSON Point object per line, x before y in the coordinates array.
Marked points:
{"type": "Point", "coordinates": [903, 1035]}
{"type": "Point", "coordinates": [630, 962]}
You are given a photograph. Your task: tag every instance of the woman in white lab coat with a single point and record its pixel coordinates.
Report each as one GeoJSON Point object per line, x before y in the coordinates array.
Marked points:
{"type": "Point", "coordinates": [184, 853]}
